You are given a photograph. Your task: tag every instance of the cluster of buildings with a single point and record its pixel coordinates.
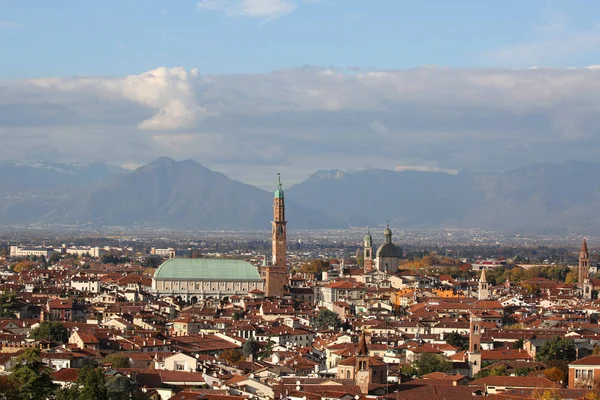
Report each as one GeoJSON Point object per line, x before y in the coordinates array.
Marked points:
{"type": "Point", "coordinates": [228, 329]}
{"type": "Point", "coordinates": [39, 251]}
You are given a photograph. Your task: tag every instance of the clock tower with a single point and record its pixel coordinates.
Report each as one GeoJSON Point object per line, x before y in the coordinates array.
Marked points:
{"type": "Point", "coordinates": [276, 274]}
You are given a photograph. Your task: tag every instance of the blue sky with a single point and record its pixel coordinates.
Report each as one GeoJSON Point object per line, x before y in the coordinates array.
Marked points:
{"type": "Point", "coordinates": [254, 87]}
{"type": "Point", "coordinates": [65, 38]}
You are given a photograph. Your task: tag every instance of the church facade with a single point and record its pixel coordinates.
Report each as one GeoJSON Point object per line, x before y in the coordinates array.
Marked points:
{"type": "Point", "coordinates": [387, 255]}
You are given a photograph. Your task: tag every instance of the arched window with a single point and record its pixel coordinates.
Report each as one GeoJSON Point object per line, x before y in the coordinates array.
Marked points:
{"type": "Point", "coordinates": [347, 374]}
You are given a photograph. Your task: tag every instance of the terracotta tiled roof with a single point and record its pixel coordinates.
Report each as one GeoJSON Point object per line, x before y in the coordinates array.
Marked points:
{"type": "Point", "coordinates": [589, 360]}
{"type": "Point", "coordinates": [515, 381]}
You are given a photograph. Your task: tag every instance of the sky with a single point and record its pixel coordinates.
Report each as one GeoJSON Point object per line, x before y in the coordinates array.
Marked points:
{"type": "Point", "coordinates": [255, 87]}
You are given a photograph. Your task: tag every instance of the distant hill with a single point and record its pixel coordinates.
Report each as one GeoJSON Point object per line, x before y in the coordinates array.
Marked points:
{"type": "Point", "coordinates": [43, 176]}
{"type": "Point", "coordinates": [538, 196]}
{"type": "Point", "coordinates": [181, 194]}
{"type": "Point", "coordinates": [185, 194]}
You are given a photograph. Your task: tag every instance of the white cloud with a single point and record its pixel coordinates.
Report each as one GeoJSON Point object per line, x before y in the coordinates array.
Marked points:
{"type": "Point", "coordinates": [425, 168]}
{"type": "Point", "coordinates": [309, 118]}
{"type": "Point", "coordinates": [169, 92]}
{"type": "Point", "coordinates": [553, 42]}
{"type": "Point", "coordinates": [10, 24]}
{"type": "Point", "coordinates": [266, 10]}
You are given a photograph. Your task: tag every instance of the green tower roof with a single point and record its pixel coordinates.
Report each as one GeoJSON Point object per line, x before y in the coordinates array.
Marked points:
{"type": "Point", "coordinates": [278, 194]}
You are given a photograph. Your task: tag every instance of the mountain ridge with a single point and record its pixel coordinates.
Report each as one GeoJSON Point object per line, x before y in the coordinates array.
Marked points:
{"type": "Point", "coordinates": [186, 194]}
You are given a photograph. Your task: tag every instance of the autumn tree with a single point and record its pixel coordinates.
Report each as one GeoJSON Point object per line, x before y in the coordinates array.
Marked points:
{"type": "Point", "coordinates": [23, 266]}
{"type": "Point", "coordinates": [232, 356]}
{"type": "Point", "coordinates": [9, 389]}
{"type": "Point", "coordinates": [554, 374]}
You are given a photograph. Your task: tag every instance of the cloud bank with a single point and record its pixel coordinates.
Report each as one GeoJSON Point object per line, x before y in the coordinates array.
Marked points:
{"type": "Point", "coordinates": [299, 120]}
{"type": "Point", "coordinates": [266, 10]}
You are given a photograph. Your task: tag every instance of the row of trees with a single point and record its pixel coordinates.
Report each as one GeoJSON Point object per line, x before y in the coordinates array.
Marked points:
{"type": "Point", "coordinates": [559, 273]}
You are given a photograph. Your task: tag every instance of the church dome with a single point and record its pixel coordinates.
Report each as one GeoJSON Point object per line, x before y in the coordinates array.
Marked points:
{"type": "Point", "coordinates": [278, 194]}
{"type": "Point", "coordinates": [388, 250]}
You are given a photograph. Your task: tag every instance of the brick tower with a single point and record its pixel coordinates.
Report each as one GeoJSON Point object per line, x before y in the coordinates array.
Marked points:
{"type": "Point", "coordinates": [474, 354]}
{"type": "Point", "coordinates": [276, 273]}
{"type": "Point", "coordinates": [368, 253]}
{"type": "Point", "coordinates": [584, 270]}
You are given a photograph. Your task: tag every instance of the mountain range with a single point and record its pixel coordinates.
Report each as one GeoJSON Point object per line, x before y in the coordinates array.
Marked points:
{"type": "Point", "coordinates": [185, 194]}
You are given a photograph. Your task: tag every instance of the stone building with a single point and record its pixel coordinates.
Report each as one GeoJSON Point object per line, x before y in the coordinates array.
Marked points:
{"type": "Point", "coordinates": [197, 279]}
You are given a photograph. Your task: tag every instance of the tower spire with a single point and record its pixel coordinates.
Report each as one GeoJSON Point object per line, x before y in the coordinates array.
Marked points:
{"type": "Point", "coordinates": [362, 345]}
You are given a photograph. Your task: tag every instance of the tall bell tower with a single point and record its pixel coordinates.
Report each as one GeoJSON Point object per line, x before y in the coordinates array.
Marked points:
{"type": "Point", "coordinates": [584, 271]}
{"type": "Point", "coordinates": [276, 273]}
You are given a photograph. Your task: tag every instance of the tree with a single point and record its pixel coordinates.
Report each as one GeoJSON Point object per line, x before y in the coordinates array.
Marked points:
{"type": "Point", "coordinates": [250, 347]}
{"type": "Point", "coordinates": [316, 267]}
{"type": "Point", "coordinates": [546, 394]}
{"type": "Point", "coordinates": [23, 266]}
{"type": "Point", "coordinates": [120, 387]}
{"type": "Point", "coordinates": [267, 351]}
{"type": "Point", "coordinates": [427, 363]}
{"type": "Point", "coordinates": [70, 392]}
{"type": "Point", "coordinates": [92, 384]}
{"type": "Point", "coordinates": [152, 261]}
{"type": "Point", "coordinates": [117, 360]}
{"type": "Point", "coordinates": [236, 316]}
{"type": "Point", "coordinates": [327, 319]}
{"type": "Point", "coordinates": [596, 351]}
{"type": "Point", "coordinates": [9, 390]}
{"type": "Point", "coordinates": [360, 257]}
{"type": "Point", "coordinates": [572, 276]}
{"type": "Point", "coordinates": [518, 344]}
{"type": "Point", "coordinates": [7, 303]}
{"type": "Point", "coordinates": [54, 258]}
{"type": "Point", "coordinates": [554, 374]}
{"type": "Point", "coordinates": [457, 340]}
{"type": "Point", "coordinates": [232, 356]}
{"type": "Point", "coordinates": [524, 371]}
{"type": "Point", "coordinates": [496, 370]}
{"type": "Point", "coordinates": [51, 331]}
{"type": "Point", "coordinates": [31, 375]}
{"type": "Point", "coordinates": [557, 348]}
